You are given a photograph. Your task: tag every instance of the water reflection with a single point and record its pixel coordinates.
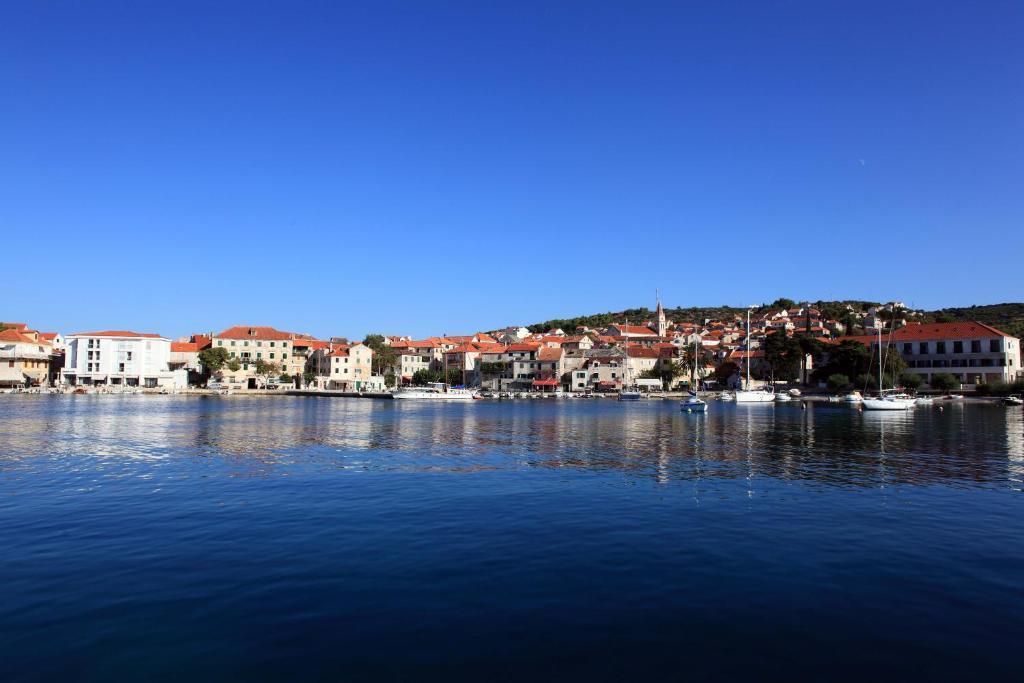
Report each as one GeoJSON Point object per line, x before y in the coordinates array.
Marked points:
{"type": "Point", "coordinates": [961, 445]}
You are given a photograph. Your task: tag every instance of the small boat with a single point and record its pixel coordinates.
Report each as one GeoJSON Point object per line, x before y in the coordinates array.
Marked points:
{"type": "Point", "coordinates": [890, 402]}
{"type": "Point", "coordinates": [435, 391]}
{"type": "Point", "coordinates": [782, 398]}
{"type": "Point", "coordinates": [693, 404]}
{"type": "Point", "coordinates": [630, 395]}
{"type": "Point", "coordinates": [726, 396]}
{"type": "Point", "coordinates": [1013, 401]}
{"type": "Point", "coordinates": [925, 400]}
{"type": "Point", "coordinates": [762, 395]}
{"type": "Point", "coordinates": [852, 397]}
{"type": "Point", "coordinates": [887, 401]}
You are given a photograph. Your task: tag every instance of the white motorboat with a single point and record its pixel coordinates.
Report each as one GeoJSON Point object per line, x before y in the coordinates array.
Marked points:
{"type": "Point", "coordinates": [726, 396]}
{"type": "Point", "coordinates": [924, 400]}
{"type": "Point", "coordinates": [1013, 401]}
{"type": "Point", "coordinates": [782, 398]}
{"type": "Point", "coordinates": [435, 391]}
{"type": "Point", "coordinates": [853, 397]}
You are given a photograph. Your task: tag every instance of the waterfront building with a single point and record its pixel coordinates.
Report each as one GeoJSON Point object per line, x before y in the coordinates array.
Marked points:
{"type": "Point", "coordinates": [249, 344]}
{"type": "Point", "coordinates": [971, 351]}
{"type": "Point", "coordinates": [25, 358]}
{"type": "Point", "coordinates": [185, 353]}
{"type": "Point", "coordinates": [351, 369]}
{"type": "Point", "coordinates": [120, 358]}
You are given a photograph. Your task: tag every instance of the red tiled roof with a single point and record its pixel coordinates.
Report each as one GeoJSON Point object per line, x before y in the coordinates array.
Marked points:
{"type": "Point", "coordinates": [522, 347]}
{"type": "Point", "coordinates": [740, 353]}
{"type": "Point", "coordinates": [929, 331]}
{"type": "Point", "coordinates": [19, 337]}
{"type": "Point", "coordinates": [635, 329]}
{"type": "Point", "coordinates": [48, 336]}
{"type": "Point", "coordinates": [549, 354]}
{"type": "Point", "coordinates": [184, 347]}
{"type": "Point", "coordinates": [115, 333]}
{"type": "Point", "coordinates": [262, 333]}
{"type": "Point", "coordinates": [641, 352]}
{"type": "Point", "coordinates": [16, 326]}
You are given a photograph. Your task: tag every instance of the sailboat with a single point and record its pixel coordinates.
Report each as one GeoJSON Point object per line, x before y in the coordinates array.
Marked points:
{"type": "Point", "coordinates": [627, 392]}
{"type": "Point", "coordinates": [748, 395]}
{"type": "Point", "coordinates": [692, 403]}
{"type": "Point", "coordinates": [887, 400]}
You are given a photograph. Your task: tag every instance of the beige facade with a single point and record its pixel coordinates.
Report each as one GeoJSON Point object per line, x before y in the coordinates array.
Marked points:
{"type": "Point", "coordinates": [24, 358]}
{"type": "Point", "coordinates": [351, 369]}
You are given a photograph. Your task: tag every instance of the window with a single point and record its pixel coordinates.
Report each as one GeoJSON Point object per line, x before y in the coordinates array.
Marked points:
{"type": "Point", "coordinates": [993, 345]}
{"type": "Point", "coordinates": [129, 355]}
{"type": "Point", "coordinates": [908, 348]}
{"type": "Point", "coordinates": [975, 346]}
{"type": "Point", "coordinates": [220, 342]}
{"type": "Point", "coordinates": [922, 347]}
{"type": "Point", "coordinates": [958, 347]}
{"type": "Point", "coordinates": [271, 356]}
{"type": "Point", "coordinates": [271, 343]}
{"type": "Point", "coordinates": [120, 367]}
{"type": "Point", "coordinates": [940, 347]}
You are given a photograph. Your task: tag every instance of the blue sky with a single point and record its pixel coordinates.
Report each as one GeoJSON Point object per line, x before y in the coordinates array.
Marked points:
{"type": "Point", "coordinates": [431, 168]}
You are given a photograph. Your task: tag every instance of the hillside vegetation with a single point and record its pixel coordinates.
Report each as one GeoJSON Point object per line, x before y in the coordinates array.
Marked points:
{"type": "Point", "coordinates": [1008, 317]}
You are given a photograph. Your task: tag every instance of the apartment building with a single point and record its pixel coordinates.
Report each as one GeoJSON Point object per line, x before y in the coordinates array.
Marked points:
{"type": "Point", "coordinates": [973, 352]}
{"type": "Point", "coordinates": [120, 358]}
{"type": "Point", "coordinates": [351, 369]}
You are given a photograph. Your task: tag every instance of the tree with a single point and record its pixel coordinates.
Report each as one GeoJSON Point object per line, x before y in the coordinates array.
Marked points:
{"type": "Point", "coordinates": [233, 365]}
{"type": "Point", "coordinates": [911, 380]}
{"type": "Point", "coordinates": [837, 382]}
{"type": "Point", "coordinates": [389, 379]}
{"type": "Point", "coordinates": [784, 303]}
{"type": "Point", "coordinates": [424, 376]}
{"type": "Point", "coordinates": [384, 356]}
{"type": "Point", "coordinates": [725, 371]}
{"type": "Point", "coordinates": [783, 355]}
{"type": "Point", "coordinates": [308, 377]}
{"type": "Point", "coordinates": [265, 369]}
{"type": "Point", "coordinates": [285, 378]}
{"type": "Point", "coordinates": [944, 381]}
{"type": "Point", "coordinates": [213, 359]}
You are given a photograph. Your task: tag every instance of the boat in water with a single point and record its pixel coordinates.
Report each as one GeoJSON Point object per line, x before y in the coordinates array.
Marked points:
{"type": "Point", "coordinates": [434, 391]}
{"type": "Point", "coordinates": [852, 397]}
{"type": "Point", "coordinates": [746, 394]}
{"type": "Point", "coordinates": [891, 400]}
{"type": "Point", "coordinates": [693, 404]}
{"type": "Point", "coordinates": [1013, 401]}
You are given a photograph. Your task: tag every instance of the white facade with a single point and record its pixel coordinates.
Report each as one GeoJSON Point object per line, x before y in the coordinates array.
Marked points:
{"type": "Point", "coordinates": [127, 359]}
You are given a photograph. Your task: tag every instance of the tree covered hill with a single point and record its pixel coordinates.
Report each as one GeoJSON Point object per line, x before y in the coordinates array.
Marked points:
{"type": "Point", "coordinates": [1008, 317]}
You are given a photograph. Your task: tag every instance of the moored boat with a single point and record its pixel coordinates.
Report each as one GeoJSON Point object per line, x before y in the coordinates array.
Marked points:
{"type": "Point", "coordinates": [435, 391]}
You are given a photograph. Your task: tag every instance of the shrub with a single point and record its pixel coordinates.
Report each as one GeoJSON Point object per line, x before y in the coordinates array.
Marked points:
{"type": "Point", "coordinates": [944, 381]}
{"type": "Point", "coordinates": [911, 380]}
{"type": "Point", "coordinates": [838, 381]}
{"type": "Point", "coordinates": [983, 389]}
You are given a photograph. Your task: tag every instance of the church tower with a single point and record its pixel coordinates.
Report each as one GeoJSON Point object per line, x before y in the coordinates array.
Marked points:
{"type": "Point", "coordinates": [662, 322]}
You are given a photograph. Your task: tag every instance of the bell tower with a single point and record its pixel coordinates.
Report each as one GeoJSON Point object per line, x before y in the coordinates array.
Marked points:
{"type": "Point", "coordinates": [662, 321]}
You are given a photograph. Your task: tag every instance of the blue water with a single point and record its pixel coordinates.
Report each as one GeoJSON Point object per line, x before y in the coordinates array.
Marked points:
{"type": "Point", "coordinates": [170, 538]}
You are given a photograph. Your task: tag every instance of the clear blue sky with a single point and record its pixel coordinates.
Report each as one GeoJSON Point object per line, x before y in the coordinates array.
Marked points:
{"type": "Point", "coordinates": [430, 167]}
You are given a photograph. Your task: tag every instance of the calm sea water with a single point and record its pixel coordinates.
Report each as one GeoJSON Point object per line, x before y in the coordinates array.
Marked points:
{"type": "Point", "coordinates": [282, 538]}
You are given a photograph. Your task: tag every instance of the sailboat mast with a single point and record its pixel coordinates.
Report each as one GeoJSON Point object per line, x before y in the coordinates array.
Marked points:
{"type": "Point", "coordinates": [748, 350]}
{"type": "Point", "coordinates": [879, 361]}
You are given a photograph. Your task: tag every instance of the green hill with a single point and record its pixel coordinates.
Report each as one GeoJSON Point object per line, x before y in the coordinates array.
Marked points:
{"type": "Point", "coordinates": [1008, 317]}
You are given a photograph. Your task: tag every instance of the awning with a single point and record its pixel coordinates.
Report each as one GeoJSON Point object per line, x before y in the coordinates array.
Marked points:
{"type": "Point", "coordinates": [545, 382]}
{"type": "Point", "coordinates": [607, 384]}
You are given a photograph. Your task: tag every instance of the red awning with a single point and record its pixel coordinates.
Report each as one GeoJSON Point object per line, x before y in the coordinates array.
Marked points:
{"type": "Point", "coordinates": [545, 382]}
{"type": "Point", "coordinates": [607, 384]}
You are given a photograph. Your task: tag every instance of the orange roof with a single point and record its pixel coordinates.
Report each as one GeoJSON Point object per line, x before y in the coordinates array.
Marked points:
{"type": "Point", "coordinates": [549, 354]}
{"type": "Point", "coordinates": [115, 333]}
{"type": "Point", "coordinates": [642, 352]}
{"type": "Point", "coordinates": [48, 336]}
{"type": "Point", "coordinates": [929, 331]}
{"type": "Point", "coordinates": [262, 333]}
{"type": "Point", "coordinates": [635, 329]}
{"type": "Point", "coordinates": [740, 353]}
{"type": "Point", "coordinates": [16, 326]}
{"type": "Point", "coordinates": [18, 336]}
{"type": "Point", "coordinates": [522, 347]}
{"type": "Point", "coordinates": [339, 352]}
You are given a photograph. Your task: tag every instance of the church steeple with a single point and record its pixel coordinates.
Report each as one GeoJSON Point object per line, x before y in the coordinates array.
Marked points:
{"type": "Point", "coordinates": [662, 321]}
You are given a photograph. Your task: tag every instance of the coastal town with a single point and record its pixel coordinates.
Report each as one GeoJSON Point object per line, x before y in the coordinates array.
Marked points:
{"type": "Point", "coordinates": [789, 344]}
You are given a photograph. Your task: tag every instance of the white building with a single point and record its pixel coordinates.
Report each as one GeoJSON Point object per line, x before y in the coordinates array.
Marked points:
{"type": "Point", "coordinates": [120, 358]}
